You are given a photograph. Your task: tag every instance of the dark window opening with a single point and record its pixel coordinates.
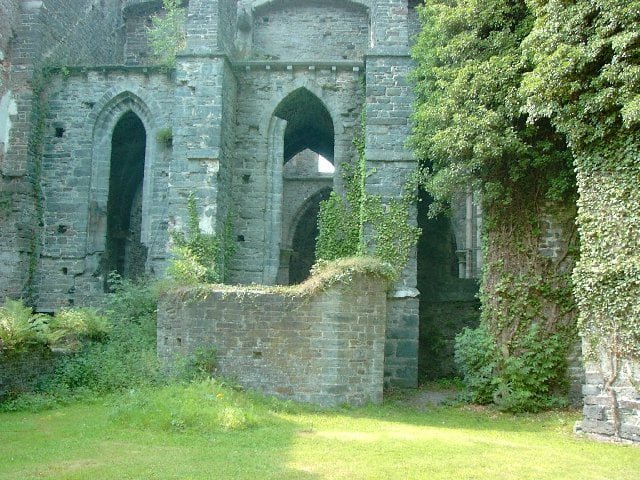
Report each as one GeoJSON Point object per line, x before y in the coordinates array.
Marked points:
{"type": "Point", "coordinates": [125, 253]}
{"type": "Point", "coordinates": [304, 239]}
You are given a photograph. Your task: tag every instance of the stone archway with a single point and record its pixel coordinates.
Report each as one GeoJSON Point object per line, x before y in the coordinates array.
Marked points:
{"type": "Point", "coordinates": [121, 189]}
{"type": "Point", "coordinates": [303, 242]}
{"type": "Point", "coordinates": [306, 129]}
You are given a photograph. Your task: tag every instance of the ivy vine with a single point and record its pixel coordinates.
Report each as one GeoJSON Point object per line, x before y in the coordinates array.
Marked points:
{"type": "Point", "coordinates": [35, 145]}
{"type": "Point", "coordinates": [359, 223]}
{"type": "Point", "coordinates": [200, 257]}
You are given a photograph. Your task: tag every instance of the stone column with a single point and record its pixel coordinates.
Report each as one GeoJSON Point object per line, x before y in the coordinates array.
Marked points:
{"type": "Point", "coordinates": [203, 117]}
{"type": "Point", "coordinates": [389, 100]}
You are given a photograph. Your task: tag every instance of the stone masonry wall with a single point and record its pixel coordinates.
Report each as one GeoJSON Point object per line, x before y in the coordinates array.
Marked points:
{"type": "Point", "coordinates": [137, 21]}
{"type": "Point", "coordinates": [46, 33]}
{"type": "Point", "coordinates": [257, 173]}
{"type": "Point", "coordinates": [599, 418]}
{"type": "Point", "coordinates": [389, 100]}
{"type": "Point", "coordinates": [84, 107]}
{"type": "Point", "coordinates": [326, 349]}
{"type": "Point", "coordinates": [315, 31]}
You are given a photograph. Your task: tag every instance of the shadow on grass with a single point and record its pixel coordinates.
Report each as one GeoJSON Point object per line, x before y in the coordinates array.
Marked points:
{"type": "Point", "coordinates": [409, 407]}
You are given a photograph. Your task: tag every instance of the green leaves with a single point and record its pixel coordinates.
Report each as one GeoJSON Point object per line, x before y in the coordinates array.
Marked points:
{"type": "Point", "coordinates": [167, 35]}
{"type": "Point", "coordinates": [342, 222]}
{"type": "Point", "coordinates": [470, 115]}
{"type": "Point", "coordinates": [199, 257]}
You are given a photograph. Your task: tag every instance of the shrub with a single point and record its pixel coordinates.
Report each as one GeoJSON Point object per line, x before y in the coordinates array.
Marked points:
{"type": "Point", "coordinates": [70, 327]}
{"type": "Point", "coordinates": [200, 365]}
{"type": "Point", "coordinates": [198, 257]}
{"type": "Point", "coordinates": [475, 356]}
{"type": "Point", "coordinates": [106, 352]}
{"type": "Point", "coordinates": [528, 379]}
{"type": "Point", "coordinates": [127, 357]}
{"type": "Point", "coordinates": [533, 378]}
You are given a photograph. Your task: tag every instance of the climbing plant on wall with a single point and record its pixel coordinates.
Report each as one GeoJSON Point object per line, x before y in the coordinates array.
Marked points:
{"type": "Point", "coordinates": [360, 223]}
{"type": "Point", "coordinates": [200, 257]}
{"type": "Point", "coordinates": [586, 80]}
{"type": "Point", "coordinates": [470, 129]}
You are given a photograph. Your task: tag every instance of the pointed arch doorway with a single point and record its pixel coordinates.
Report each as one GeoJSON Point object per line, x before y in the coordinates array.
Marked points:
{"type": "Point", "coordinates": [124, 252]}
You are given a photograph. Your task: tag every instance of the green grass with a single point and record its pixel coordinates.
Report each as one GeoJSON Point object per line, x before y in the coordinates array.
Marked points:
{"type": "Point", "coordinates": [183, 432]}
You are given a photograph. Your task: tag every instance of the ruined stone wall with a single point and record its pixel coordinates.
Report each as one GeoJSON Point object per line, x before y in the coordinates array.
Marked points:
{"type": "Point", "coordinates": [607, 383]}
{"type": "Point", "coordinates": [47, 33]}
{"type": "Point", "coordinates": [8, 21]}
{"type": "Point", "coordinates": [81, 33]}
{"type": "Point", "coordinates": [202, 139]}
{"type": "Point", "coordinates": [10, 194]}
{"type": "Point", "coordinates": [448, 303]}
{"type": "Point", "coordinates": [301, 182]}
{"type": "Point", "coordinates": [388, 110]}
{"type": "Point", "coordinates": [85, 106]}
{"type": "Point", "coordinates": [326, 349]}
{"type": "Point", "coordinates": [137, 21]}
{"type": "Point", "coordinates": [315, 31]}
{"type": "Point", "coordinates": [258, 177]}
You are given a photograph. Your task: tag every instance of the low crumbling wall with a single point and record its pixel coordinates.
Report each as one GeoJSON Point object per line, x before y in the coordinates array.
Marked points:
{"type": "Point", "coordinates": [325, 348]}
{"type": "Point", "coordinates": [612, 399]}
{"type": "Point", "coordinates": [21, 371]}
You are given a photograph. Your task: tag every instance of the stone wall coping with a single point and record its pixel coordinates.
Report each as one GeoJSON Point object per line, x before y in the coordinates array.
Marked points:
{"type": "Point", "coordinates": [303, 178]}
{"type": "Point", "coordinates": [82, 69]}
{"type": "Point", "coordinates": [288, 65]}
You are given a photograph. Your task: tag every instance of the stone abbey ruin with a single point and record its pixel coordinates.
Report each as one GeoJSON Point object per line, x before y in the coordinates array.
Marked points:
{"type": "Point", "coordinates": [101, 148]}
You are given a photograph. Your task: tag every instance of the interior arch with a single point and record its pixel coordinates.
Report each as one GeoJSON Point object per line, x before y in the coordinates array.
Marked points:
{"type": "Point", "coordinates": [309, 125]}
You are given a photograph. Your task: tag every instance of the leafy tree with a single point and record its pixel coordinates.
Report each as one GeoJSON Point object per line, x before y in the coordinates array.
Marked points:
{"type": "Point", "coordinates": [472, 129]}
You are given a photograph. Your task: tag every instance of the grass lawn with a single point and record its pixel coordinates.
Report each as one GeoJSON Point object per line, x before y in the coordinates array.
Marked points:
{"type": "Point", "coordinates": [395, 440]}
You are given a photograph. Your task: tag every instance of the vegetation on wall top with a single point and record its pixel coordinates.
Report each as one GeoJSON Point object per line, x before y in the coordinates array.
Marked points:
{"type": "Point", "coordinates": [360, 223]}
{"type": "Point", "coordinates": [167, 34]}
{"type": "Point", "coordinates": [587, 82]}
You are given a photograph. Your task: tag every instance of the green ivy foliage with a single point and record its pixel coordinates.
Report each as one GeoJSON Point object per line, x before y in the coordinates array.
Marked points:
{"type": "Point", "coordinates": [469, 123]}
{"type": "Point", "coordinates": [528, 381]}
{"type": "Point", "coordinates": [360, 223]}
{"type": "Point", "coordinates": [586, 81]}
{"type": "Point", "coordinates": [200, 257]}
{"type": "Point", "coordinates": [339, 222]}
{"type": "Point", "coordinates": [472, 130]}
{"type": "Point", "coordinates": [167, 35]}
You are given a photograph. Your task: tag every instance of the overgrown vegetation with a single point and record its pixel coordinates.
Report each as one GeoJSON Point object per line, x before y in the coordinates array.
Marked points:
{"type": "Point", "coordinates": [359, 223]}
{"type": "Point", "coordinates": [21, 329]}
{"type": "Point", "coordinates": [200, 257]}
{"type": "Point", "coordinates": [471, 131]}
{"type": "Point", "coordinates": [167, 35]}
{"type": "Point", "coordinates": [531, 380]}
{"type": "Point", "coordinates": [586, 81]}
{"type": "Point", "coordinates": [101, 352]}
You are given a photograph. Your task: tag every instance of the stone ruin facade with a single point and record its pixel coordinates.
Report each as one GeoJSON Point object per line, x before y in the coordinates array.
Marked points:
{"type": "Point", "coordinates": [99, 155]}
